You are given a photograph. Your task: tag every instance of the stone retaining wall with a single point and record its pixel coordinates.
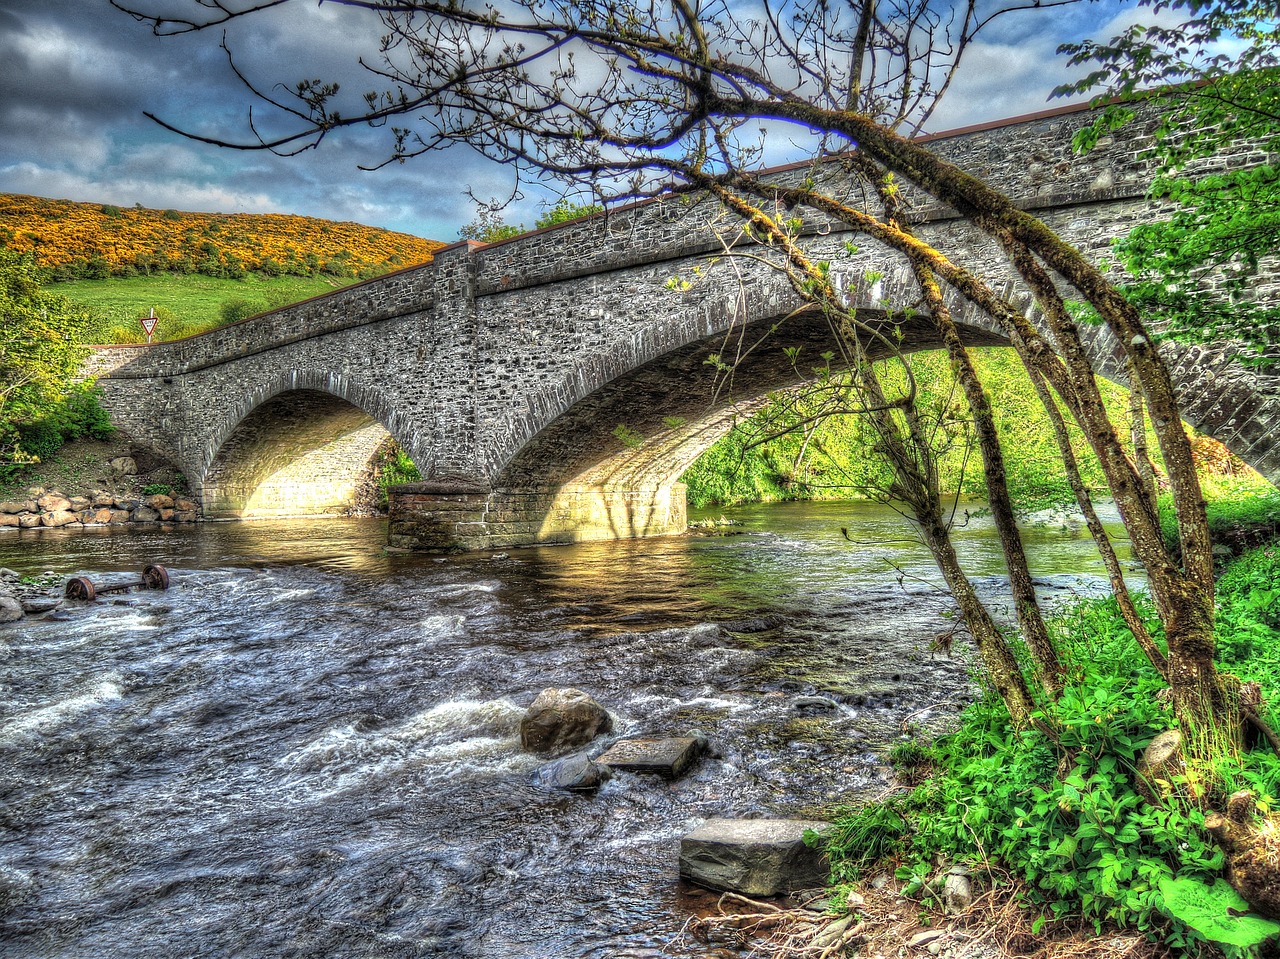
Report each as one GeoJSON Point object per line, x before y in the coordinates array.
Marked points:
{"type": "Point", "coordinates": [48, 509]}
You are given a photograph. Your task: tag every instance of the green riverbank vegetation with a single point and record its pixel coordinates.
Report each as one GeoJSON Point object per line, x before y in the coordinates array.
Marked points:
{"type": "Point", "coordinates": [787, 451]}
{"type": "Point", "coordinates": [43, 404]}
{"type": "Point", "coordinates": [1080, 829]}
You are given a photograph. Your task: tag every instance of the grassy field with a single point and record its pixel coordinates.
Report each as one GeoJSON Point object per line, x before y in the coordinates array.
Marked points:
{"type": "Point", "coordinates": [185, 304]}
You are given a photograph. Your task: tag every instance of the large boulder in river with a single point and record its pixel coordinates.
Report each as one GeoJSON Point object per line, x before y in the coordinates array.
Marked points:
{"type": "Point", "coordinates": [755, 857]}
{"type": "Point", "coordinates": [562, 720]}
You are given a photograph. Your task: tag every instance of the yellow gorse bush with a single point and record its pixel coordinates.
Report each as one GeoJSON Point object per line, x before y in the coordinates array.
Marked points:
{"type": "Point", "coordinates": [117, 240]}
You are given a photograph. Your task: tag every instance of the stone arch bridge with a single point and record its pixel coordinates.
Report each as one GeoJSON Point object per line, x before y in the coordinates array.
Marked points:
{"type": "Point", "coordinates": [554, 387]}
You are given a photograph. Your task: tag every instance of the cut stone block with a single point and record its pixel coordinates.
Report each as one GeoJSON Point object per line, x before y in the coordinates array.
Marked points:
{"type": "Point", "coordinates": [754, 857]}
{"type": "Point", "coordinates": [667, 758]}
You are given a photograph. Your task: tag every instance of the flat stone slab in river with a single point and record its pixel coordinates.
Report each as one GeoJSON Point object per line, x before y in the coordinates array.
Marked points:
{"type": "Point", "coordinates": [755, 857]}
{"type": "Point", "coordinates": [661, 757]}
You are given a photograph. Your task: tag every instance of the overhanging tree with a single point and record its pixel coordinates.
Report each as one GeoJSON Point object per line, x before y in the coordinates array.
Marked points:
{"type": "Point", "coordinates": [637, 100]}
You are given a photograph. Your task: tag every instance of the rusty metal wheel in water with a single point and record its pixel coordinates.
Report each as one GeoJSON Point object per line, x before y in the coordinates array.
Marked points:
{"type": "Point", "coordinates": [155, 576]}
{"type": "Point", "coordinates": [81, 588]}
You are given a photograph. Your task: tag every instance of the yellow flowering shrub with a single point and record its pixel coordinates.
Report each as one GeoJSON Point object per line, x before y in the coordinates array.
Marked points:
{"type": "Point", "coordinates": [97, 240]}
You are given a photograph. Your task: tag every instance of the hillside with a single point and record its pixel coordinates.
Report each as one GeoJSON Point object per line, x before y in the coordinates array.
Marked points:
{"type": "Point", "coordinates": [96, 241]}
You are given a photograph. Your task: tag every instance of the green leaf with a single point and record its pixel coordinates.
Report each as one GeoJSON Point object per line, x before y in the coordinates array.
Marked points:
{"type": "Point", "coordinates": [1066, 848]}
{"type": "Point", "coordinates": [1217, 912]}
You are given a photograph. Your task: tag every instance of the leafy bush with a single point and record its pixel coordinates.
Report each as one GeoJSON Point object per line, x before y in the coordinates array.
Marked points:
{"type": "Point", "coordinates": [41, 337]}
{"type": "Point", "coordinates": [233, 311]}
{"type": "Point", "coordinates": [78, 413]}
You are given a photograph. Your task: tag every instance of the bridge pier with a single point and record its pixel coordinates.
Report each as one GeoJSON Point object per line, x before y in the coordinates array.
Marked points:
{"type": "Point", "coordinates": [449, 517]}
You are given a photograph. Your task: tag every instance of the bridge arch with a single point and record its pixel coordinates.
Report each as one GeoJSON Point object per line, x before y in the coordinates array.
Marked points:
{"type": "Point", "coordinates": [300, 444]}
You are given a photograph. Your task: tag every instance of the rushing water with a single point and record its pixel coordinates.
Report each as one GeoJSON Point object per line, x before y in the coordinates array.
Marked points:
{"type": "Point", "coordinates": [307, 747]}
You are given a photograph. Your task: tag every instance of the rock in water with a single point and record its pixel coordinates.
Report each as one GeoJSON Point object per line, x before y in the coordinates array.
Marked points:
{"type": "Point", "coordinates": [10, 609]}
{"type": "Point", "coordinates": [755, 857]}
{"type": "Point", "coordinates": [576, 773]}
{"type": "Point", "coordinates": [667, 758]}
{"type": "Point", "coordinates": [562, 720]}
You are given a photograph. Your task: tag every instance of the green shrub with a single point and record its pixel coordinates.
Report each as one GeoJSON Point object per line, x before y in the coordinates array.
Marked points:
{"type": "Point", "coordinates": [40, 439]}
{"type": "Point", "coordinates": [233, 311]}
{"type": "Point", "coordinates": [78, 413]}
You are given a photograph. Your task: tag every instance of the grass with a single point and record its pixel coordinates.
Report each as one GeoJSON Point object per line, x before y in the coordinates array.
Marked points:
{"type": "Point", "coordinates": [186, 304]}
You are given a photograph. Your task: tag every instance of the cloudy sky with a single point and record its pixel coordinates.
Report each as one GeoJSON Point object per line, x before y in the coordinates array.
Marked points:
{"type": "Point", "coordinates": [77, 75]}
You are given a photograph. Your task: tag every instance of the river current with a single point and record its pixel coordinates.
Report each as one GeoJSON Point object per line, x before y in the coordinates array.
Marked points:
{"type": "Point", "coordinates": [308, 747]}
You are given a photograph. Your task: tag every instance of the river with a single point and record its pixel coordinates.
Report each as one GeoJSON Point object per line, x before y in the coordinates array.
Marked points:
{"type": "Point", "coordinates": [308, 747]}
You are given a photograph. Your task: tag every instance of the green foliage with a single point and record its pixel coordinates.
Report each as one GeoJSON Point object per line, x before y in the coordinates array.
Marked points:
{"type": "Point", "coordinates": [837, 459]}
{"type": "Point", "coordinates": [233, 311]}
{"type": "Point", "coordinates": [78, 412]}
{"type": "Point", "coordinates": [627, 436]}
{"type": "Point", "coordinates": [41, 347]}
{"type": "Point", "coordinates": [489, 225]}
{"type": "Point", "coordinates": [732, 472]}
{"type": "Point", "coordinates": [911, 760]}
{"type": "Point", "coordinates": [393, 468]}
{"type": "Point", "coordinates": [1249, 614]}
{"type": "Point", "coordinates": [1240, 512]}
{"type": "Point", "coordinates": [157, 489]}
{"type": "Point", "coordinates": [564, 211]}
{"type": "Point", "coordinates": [1200, 267]}
{"type": "Point", "coordinates": [1067, 818]}
{"type": "Point", "coordinates": [875, 833]}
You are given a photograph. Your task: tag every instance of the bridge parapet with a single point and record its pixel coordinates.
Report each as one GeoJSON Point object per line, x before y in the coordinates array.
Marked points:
{"type": "Point", "coordinates": [362, 304]}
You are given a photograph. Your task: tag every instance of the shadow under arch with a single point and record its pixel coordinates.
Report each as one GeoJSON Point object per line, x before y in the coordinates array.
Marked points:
{"type": "Point", "coordinates": [302, 447]}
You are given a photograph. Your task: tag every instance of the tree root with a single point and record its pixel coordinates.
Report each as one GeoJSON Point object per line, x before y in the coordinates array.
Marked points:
{"type": "Point", "coordinates": [882, 924]}
{"type": "Point", "coordinates": [1253, 852]}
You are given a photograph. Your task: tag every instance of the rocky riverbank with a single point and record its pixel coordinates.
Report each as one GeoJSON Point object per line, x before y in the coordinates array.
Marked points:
{"type": "Point", "coordinates": [91, 482]}
{"type": "Point", "coordinates": [28, 595]}
{"type": "Point", "coordinates": [44, 509]}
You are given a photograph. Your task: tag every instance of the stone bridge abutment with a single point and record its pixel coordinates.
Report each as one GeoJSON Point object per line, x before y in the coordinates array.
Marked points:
{"type": "Point", "coordinates": [554, 387]}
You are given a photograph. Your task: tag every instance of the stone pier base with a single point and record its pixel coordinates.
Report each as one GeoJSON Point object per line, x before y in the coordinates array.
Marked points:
{"type": "Point", "coordinates": [437, 518]}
